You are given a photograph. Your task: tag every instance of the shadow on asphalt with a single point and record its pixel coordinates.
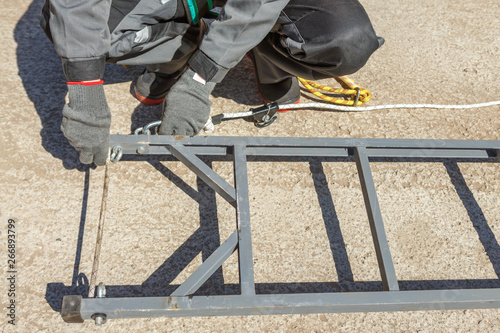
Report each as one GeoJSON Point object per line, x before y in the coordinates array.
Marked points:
{"type": "Point", "coordinates": [206, 240]}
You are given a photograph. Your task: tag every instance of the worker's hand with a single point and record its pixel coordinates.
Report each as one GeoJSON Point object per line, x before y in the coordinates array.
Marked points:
{"type": "Point", "coordinates": [186, 108]}
{"type": "Point", "coordinates": [86, 121]}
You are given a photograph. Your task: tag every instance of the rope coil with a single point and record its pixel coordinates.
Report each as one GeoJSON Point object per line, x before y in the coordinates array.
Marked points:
{"type": "Point", "coordinates": [350, 95]}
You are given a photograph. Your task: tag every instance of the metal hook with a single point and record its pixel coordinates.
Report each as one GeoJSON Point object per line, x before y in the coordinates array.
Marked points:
{"type": "Point", "coordinates": [116, 154]}
{"type": "Point", "coordinates": [147, 129]}
{"type": "Point", "coordinates": [267, 123]}
{"type": "Point", "coordinates": [154, 124]}
{"type": "Point", "coordinates": [357, 96]}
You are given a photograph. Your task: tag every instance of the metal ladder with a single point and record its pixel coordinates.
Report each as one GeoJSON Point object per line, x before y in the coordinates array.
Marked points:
{"type": "Point", "coordinates": [184, 302]}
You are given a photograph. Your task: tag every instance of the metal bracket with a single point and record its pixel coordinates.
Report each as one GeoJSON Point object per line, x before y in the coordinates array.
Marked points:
{"type": "Point", "coordinates": [262, 116]}
{"type": "Point", "coordinates": [265, 115]}
{"type": "Point", "coordinates": [184, 302]}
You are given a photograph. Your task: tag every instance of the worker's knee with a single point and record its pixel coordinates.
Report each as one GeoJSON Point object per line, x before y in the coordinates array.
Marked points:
{"type": "Point", "coordinates": [343, 54]}
{"type": "Point", "coordinates": [337, 40]}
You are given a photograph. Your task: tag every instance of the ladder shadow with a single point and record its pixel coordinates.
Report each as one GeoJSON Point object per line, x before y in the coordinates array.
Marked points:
{"type": "Point", "coordinates": [79, 281]}
{"type": "Point", "coordinates": [206, 240]}
{"type": "Point", "coordinates": [476, 215]}
{"type": "Point", "coordinates": [332, 223]}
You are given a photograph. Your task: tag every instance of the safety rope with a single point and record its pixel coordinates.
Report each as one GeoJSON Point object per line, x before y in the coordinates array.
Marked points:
{"type": "Point", "coordinates": [100, 232]}
{"type": "Point", "coordinates": [350, 95]}
{"type": "Point", "coordinates": [321, 105]}
{"type": "Point", "coordinates": [384, 107]}
{"type": "Point", "coordinates": [347, 99]}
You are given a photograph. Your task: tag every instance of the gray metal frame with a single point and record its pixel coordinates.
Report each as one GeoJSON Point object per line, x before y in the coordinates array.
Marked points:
{"type": "Point", "coordinates": [182, 302]}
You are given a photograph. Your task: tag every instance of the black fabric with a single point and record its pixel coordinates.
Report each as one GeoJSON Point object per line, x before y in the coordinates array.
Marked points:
{"type": "Point", "coordinates": [316, 39]}
{"type": "Point", "coordinates": [120, 9]}
{"type": "Point", "coordinates": [286, 91]}
{"type": "Point", "coordinates": [84, 70]}
{"type": "Point", "coordinates": [206, 67]}
{"type": "Point", "coordinates": [155, 85]}
{"type": "Point", "coordinates": [44, 20]}
{"type": "Point", "coordinates": [192, 37]}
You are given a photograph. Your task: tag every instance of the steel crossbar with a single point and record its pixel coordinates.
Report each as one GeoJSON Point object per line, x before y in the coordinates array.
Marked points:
{"type": "Point", "coordinates": [184, 301]}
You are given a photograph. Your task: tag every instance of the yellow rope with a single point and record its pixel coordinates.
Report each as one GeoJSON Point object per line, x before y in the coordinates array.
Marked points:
{"type": "Point", "coordinates": [350, 90]}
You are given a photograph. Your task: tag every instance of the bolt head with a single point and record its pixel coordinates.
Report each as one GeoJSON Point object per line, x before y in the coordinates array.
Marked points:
{"type": "Point", "coordinates": [99, 320]}
{"type": "Point", "coordinates": [101, 290]}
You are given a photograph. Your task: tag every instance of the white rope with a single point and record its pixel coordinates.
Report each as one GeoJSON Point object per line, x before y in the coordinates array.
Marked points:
{"type": "Point", "coordinates": [238, 114]}
{"type": "Point", "coordinates": [209, 127]}
{"type": "Point", "coordinates": [383, 107]}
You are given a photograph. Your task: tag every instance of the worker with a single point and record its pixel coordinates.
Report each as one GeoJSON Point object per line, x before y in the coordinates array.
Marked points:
{"type": "Point", "coordinates": [185, 58]}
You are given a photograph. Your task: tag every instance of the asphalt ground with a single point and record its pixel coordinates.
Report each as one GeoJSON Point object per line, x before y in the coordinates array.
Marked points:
{"type": "Point", "coordinates": [309, 225]}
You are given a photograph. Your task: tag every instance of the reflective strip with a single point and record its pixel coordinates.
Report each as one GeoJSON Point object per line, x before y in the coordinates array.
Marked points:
{"type": "Point", "coordinates": [142, 36]}
{"type": "Point", "coordinates": [193, 9]}
{"type": "Point", "coordinates": [85, 83]}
